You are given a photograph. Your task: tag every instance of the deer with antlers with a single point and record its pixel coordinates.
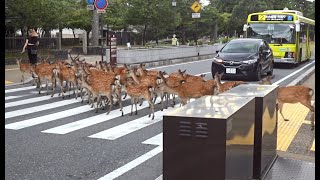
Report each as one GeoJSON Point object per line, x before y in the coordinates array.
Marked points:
{"type": "Point", "coordinates": [292, 95]}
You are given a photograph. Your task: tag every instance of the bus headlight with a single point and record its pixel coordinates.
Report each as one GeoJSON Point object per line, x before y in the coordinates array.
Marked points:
{"type": "Point", "coordinates": [289, 55]}
{"type": "Point", "coordinates": [250, 61]}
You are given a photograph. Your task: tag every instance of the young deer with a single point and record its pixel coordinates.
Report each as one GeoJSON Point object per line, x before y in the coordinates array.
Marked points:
{"type": "Point", "coordinates": [227, 85]}
{"type": "Point", "coordinates": [44, 71]}
{"type": "Point", "coordinates": [292, 95]}
{"type": "Point", "coordinates": [24, 67]}
{"type": "Point", "coordinates": [137, 91]}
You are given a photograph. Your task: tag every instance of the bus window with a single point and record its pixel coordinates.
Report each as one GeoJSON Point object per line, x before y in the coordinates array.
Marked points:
{"type": "Point", "coordinates": [273, 33]}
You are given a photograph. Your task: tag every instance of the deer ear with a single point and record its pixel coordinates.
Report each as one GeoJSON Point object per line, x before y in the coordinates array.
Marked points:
{"type": "Point", "coordinates": [184, 71]}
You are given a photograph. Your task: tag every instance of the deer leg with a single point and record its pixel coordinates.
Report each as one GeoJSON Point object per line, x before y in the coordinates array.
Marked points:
{"type": "Point", "coordinates": [40, 87]}
{"type": "Point", "coordinates": [151, 109]}
{"type": "Point", "coordinates": [132, 102]}
{"type": "Point", "coordinates": [308, 105]}
{"type": "Point", "coordinates": [22, 80]}
{"type": "Point", "coordinates": [53, 88]}
{"type": "Point", "coordinates": [280, 106]}
{"type": "Point", "coordinates": [111, 102]}
{"type": "Point", "coordinates": [125, 95]}
{"type": "Point", "coordinates": [135, 103]}
{"type": "Point", "coordinates": [141, 102]}
{"type": "Point", "coordinates": [98, 101]}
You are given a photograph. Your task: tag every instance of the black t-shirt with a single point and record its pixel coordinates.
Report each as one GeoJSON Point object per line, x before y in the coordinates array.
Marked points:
{"type": "Point", "coordinates": [33, 39]}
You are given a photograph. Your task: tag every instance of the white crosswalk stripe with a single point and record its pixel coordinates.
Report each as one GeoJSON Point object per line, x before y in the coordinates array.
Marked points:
{"type": "Point", "coordinates": [43, 104]}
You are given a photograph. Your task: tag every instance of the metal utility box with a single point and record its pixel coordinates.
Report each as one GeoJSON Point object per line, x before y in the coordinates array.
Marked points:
{"type": "Point", "coordinates": [209, 138]}
{"type": "Point", "coordinates": [265, 131]}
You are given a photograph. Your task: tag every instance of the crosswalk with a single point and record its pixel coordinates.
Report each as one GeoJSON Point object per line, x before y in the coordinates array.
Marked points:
{"type": "Point", "coordinates": [25, 110]}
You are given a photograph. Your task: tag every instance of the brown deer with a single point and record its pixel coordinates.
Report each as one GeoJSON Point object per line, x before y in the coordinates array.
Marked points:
{"type": "Point", "coordinates": [292, 95]}
{"type": "Point", "coordinates": [137, 91]}
{"type": "Point", "coordinates": [44, 71]}
{"type": "Point", "coordinates": [141, 71]}
{"type": "Point", "coordinates": [226, 85]}
{"type": "Point", "coordinates": [24, 67]}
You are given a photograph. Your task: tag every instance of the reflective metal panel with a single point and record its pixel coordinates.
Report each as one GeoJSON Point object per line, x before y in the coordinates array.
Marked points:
{"type": "Point", "coordinates": [265, 142]}
{"type": "Point", "coordinates": [209, 138]}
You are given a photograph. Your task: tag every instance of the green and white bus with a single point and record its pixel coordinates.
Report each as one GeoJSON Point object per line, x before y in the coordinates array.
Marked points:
{"type": "Point", "coordinates": [290, 35]}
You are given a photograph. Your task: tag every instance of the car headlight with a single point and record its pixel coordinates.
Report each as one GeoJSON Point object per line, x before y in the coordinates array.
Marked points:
{"type": "Point", "coordinates": [217, 60]}
{"type": "Point", "coordinates": [250, 61]}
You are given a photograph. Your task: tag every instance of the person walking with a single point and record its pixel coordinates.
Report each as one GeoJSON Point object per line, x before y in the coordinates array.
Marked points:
{"type": "Point", "coordinates": [31, 44]}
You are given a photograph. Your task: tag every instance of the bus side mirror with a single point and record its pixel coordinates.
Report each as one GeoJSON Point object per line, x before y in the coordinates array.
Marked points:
{"type": "Point", "coordinates": [297, 27]}
{"type": "Point", "coordinates": [245, 27]}
{"type": "Point", "coordinates": [297, 23]}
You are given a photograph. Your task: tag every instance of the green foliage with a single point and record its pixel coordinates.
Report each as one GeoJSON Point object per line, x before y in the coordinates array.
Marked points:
{"type": "Point", "coordinates": [152, 19]}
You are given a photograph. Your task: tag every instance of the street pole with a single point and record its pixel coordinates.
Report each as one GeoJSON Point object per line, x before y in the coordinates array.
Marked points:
{"type": "Point", "coordinates": [174, 4]}
{"type": "Point", "coordinates": [95, 28]}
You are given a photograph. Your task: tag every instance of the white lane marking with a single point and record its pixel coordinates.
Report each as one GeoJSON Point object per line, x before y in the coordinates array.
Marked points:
{"type": "Point", "coordinates": [47, 118]}
{"type": "Point", "coordinates": [301, 76]}
{"type": "Point", "coordinates": [40, 108]}
{"type": "Point", "coordinates": [21, 89]}
{"type": "Point", "coordinates": [67, 128]}
{"type": "Point", "coordinates": [118, 172]}
{"type": "Point", "coordinates": [155, 140]}
{"type": "Point", "coordinates": [295, 72]}
{"type": "Point", "coordinates": [31, 100]}
{"type": "Point", "coordinates": [160, 177]}
{"type": "Point", "coordinates": [131, 126]}
{"type": "Point", "coordinates": [179, 64]}
{"type": "Point", "coordinates": [12, 97]}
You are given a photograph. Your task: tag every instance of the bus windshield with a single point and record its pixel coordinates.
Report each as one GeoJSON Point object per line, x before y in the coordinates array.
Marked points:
{"type": "Point", "coordinates": [273, 33]}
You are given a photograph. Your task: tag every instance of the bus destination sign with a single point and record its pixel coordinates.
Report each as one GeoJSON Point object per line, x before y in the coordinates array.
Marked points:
{"type": "Point", "coordinates": [271, 17]}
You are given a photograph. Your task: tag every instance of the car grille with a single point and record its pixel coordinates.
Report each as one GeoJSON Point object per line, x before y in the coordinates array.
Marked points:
{"type": "Point", "coordinates": [231, 63]}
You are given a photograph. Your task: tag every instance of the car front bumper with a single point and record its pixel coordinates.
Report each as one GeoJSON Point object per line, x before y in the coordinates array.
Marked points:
{"type": "Point", "coordinates": [285, 60]}
{"type": "Point", "coordinates": [241, 70]}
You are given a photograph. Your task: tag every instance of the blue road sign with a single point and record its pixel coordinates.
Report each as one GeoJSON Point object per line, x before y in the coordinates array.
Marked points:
{"type": "Point", "coordinates": [101, 4]}
{"type": "Point", "coordinates": [90, 2]}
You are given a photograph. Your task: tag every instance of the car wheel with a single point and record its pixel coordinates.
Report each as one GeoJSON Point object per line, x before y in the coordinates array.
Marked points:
{"type": "Point", "coordinates": [270, 73]}
{"type": "Point", "coordinates": [257, 75]}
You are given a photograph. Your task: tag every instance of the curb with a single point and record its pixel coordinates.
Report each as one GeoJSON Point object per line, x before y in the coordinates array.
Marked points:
{"type": "Point", "coordinates": [24, 82]}
{"type": "Point", "coordinates": [302, 78]}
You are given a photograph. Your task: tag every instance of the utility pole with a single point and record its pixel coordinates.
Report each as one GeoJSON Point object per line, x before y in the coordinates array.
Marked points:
{"type": "Point", "coordinates": [174, 4]}
{"type": "Point", "coordinates": [95, 28]}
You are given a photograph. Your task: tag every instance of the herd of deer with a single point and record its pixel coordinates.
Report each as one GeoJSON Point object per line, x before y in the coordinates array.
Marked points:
{"type": "Point", "coordinates": [103, 84]}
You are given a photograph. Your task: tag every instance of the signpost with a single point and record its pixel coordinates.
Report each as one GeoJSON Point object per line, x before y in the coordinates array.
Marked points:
{"type": "Point", "coordinates": [196, 7]}
{"type": "Point", "coordinates": [101, 5]}
{"type": "Point", "coordinates": [113, 49]}
{"type": "Point", "coordinates": [90, 5]}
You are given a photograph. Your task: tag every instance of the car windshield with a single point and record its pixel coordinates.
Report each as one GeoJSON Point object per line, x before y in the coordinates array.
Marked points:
{"type": "Point", "coordinates": [273, 33]}
{"type": "Point", "coordinates": [241, 47]}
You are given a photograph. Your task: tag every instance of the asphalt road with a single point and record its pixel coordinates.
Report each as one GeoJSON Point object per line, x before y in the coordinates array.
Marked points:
{"type": "Point", "coordinates": [52, 138]}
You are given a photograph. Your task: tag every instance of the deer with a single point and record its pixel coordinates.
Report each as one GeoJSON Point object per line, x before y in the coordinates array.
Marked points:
{"type": "Point", "coordinates": [185, 91]}
{"type": "Point", "coordinates": [66, 73]}
{"type": "Point", "coordinates": [99, 89]}
{"type": "Point", "coordinates": [44, 71]}
{"type": "Point", "coordinates": [149, 80]}
{"type": "Point", "coordinates": [24, 67]}
{"type": "Point", "coordinates": [137, 91]}
{"type": "Point", "coordinates": [227, 85]}
{"type": "Point", "coordinates": [141, 71]}
{"type": "Point", "coordinates": [293, 94]}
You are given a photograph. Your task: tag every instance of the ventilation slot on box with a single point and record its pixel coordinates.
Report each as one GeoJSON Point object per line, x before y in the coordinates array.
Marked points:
{"type": "Point", "coordinates": [201, 130]}
{"type": "Point", "coordinates": [185, 128]}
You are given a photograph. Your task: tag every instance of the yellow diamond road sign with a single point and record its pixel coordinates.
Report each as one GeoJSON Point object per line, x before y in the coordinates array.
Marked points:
{"type": "Point", "coordinates": [196, 6]}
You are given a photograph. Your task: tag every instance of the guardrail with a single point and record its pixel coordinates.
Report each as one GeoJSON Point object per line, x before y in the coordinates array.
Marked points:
{"type": "Point", "coordinates": [136, 56]}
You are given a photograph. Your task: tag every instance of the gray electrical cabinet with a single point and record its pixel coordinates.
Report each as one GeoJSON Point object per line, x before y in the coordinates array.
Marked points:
{"type": "Point", "coordinates": [265, 131]}
{"type": "Point", "coordinates": [211, 138]}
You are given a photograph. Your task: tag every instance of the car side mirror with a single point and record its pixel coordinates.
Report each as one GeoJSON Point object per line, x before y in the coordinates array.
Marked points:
{"type": "Point", "coordinates": [217, 51]}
